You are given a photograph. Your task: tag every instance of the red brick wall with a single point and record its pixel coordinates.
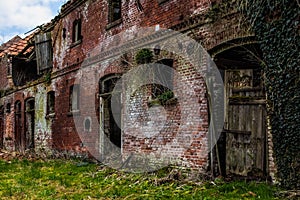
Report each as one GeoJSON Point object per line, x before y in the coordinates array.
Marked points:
{"type": "Point", "coordinates": [186, 16]}
{"type": "Point", "coordinates": [68, 58]}
{"type": "Point", "coordinates": [3, 74]}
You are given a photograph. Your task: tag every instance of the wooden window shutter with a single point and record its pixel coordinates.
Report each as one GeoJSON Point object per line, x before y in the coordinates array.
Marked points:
{"type": "Point", "coordinates": [43, 49]}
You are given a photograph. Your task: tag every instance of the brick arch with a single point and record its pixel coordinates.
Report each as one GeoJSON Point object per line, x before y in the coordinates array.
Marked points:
{"type": "Point", "coordinates": [230, 44]}
{"type": "Point", "coordinates": [106, 78]}
{"type": "Point", "coordinates": [239, 62]}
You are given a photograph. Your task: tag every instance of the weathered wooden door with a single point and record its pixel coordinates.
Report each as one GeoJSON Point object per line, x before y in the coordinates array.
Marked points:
{"type": "Point", "coordinates": [1, 126]}
{"type": "Point", "coordinates": [29, 123]}
{"type": "Point", "coordinates": [245, 125]}
{"type": "Point", "coordinates": [19, 140]}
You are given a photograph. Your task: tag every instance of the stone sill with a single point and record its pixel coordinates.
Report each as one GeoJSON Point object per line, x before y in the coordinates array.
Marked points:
{"type": "Point", "coordinates": [113, 24]}
{"type": "Point", "coordinates": [8, 138]}
{"type": "Point", "coordinates": [161, 1]}
{"type": "Point", "coordinates": [50, 115]}
{"type": "Point", "coordinates": [76, 43]}
{"type": "Point", "coordinates": [73, 113]}
{"type": "Point", "coordinates": [156, 102]}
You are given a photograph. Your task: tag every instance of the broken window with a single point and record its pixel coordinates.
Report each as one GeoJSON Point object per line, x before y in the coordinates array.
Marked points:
{"type": "Point", "coordinates": [50, 102]}
{"type": "Point", "coordinates": [8, 107]}
{"type": "Point", "coordinates": [64, 33]}
{"type": "Point", "coordinates": [162, 1]}
{"type": "Point", "coordinates": [18, 125]}
{"type": "Point", "coordinates": [163, 86]}
{"type": "Point", "coordinates": [1, 126]}
{"type": "Point", "coordinates": [108, 85]}
{"type": "Point", "coordinates": [110, 110]}
{"type": "Point", "coordinates": [9, 66]}
{"type": "Point", "coordinates": [43, 50]}
{"type": "Point", "coordinates": [18, 107]}
{"type": "Point", "coordinates": [74, 98]}
{"type": "Point", "coordinates": [29, 123]}
{"type": "Point", "coordinates": [76, 35]}
{"type": "Point", "coordinates": [114, 10]}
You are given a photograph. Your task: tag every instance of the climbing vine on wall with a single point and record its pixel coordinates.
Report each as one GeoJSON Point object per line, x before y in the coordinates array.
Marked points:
{"type": "Point", "coordinates": [276, 25]}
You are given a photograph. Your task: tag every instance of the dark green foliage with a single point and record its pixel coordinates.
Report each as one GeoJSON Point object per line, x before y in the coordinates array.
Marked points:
{"type": "Point", "coordinates": [143, 56]}
{"type": "Point", "coordinates": [164, 97]}
{"type": "Point", "coordinates": [276, 24]}
{"type": "Point", "coordinates": [47, 78]}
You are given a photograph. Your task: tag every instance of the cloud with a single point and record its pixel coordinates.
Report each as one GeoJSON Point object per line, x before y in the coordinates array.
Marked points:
{"type": "Point", "coordinates": [19, 16]}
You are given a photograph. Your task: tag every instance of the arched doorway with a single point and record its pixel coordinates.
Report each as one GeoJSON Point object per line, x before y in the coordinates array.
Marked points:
{"type": "Point", "coordinates": [29, 123]}
{"type": "Point", "coordinates": [245, 144]}
{"type": "Point", "coordinates": [110, 132]}
{"type": "Point", "coordinates": [19, 138]}
{"type": "Point", "coordinates": [1, 126]}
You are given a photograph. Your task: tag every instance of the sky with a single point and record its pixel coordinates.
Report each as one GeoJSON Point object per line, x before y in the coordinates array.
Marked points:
{"type": "Point", "coordinates": [20, 16]}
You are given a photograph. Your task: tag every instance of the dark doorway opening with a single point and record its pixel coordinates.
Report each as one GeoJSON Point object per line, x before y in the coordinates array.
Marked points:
{"type": "Point", "coordinates": [29, 123]}
{"type": "Point", "coordinates": [1, 126]}
{"type": "Point", "coordinates": [19, 144]}
{"type": "Point", "coordinates": [243, 144]}
{"type": "Point", "coordinates": [110, 119]}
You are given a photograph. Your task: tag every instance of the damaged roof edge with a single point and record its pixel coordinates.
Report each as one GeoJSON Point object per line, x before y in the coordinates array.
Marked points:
{"type": "Point", "coordinates": [70, 6]}
{"type": "Point", "coordinates": [21, 46]}
{"type": "Point", "coordinates": [18, 45]}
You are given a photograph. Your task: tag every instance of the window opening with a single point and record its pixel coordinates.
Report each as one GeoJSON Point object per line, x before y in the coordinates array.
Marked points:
{"type": "Point", "coordinates": [50, 102]}
{"type": "Point", "coordinates": [114, 10]}
{"type": "Point", "coordinates": [74, 97]}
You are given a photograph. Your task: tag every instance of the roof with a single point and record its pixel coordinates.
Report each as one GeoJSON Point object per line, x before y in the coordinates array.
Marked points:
{"type": "Point", "coordinates": [16, 46]}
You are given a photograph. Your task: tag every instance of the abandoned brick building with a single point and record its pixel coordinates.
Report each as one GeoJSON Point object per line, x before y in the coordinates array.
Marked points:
{"type": "Point", "coordinates": [57, 84]}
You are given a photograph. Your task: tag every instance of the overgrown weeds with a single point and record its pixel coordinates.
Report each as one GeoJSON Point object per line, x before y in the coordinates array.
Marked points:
{"type": "Point", "coordinates": [75, 179]}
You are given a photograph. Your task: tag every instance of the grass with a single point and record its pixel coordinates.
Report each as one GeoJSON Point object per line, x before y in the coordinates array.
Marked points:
{"type": "Point", "coordinates": [59, 179]}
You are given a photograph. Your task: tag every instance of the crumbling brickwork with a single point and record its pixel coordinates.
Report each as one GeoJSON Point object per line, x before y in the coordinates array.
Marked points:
{"type": "Point", "coordinates": [83, 36]}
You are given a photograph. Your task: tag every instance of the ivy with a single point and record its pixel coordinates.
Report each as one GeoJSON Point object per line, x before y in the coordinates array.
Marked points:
{"type": "Point", "coordinates": [143, 56]}
{"type": "Point", "coordinates": [276, 25]}
{"type": "Point", "coordinates": [47, 78]}
{"type": "Point", "coordinates": [164, 97]}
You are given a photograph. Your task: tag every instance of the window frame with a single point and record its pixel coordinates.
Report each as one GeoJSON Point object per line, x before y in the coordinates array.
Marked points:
{"type": "Point", "coordinates": [50, 103]}
{"type": "Point", "coordinates": [8, 108]}
{"type": "Point", "coordinates": [74, 93]}
{"type": "Point", "coordinates": [114, 18]}
{"type": "Point", "coordinates": [76, 32]}
{"type": "Point", "coordinates": [157, 89]}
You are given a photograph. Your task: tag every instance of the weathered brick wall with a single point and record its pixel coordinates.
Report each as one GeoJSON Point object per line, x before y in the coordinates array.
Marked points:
{"type": "Point", "coordinates": [42, 127]}
{"type": "Point", "coordinates": [189, 17]}
{"type": "Point", "coordinates": [176, 131]}
{"type": "Point", "coordinates": [3, 73]}
{"type": "Point", "coordinates": [94, 15]}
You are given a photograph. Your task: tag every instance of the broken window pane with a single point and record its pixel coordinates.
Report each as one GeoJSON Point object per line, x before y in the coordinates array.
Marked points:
{"type": "Point", "coordinates": [18, 107]}
{"type": "Point", "coordinates": [74, 97]}
{"type": "Point", "coordinates": [76, 30]}
{"type": "Point", "coordinates": [8, 108]}
{"type": "Point", "coordinates": [50, 102]}
{"type": "Point", "coordinates": [43, 50]}
{"type": "Point", "coordinates": [163, 79]}
{"type": "Point", "coordinates": [114, 10]}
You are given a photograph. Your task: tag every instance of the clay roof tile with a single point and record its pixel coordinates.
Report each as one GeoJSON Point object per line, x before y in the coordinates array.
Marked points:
{"type": "Point", "coordinates": [16, 45]}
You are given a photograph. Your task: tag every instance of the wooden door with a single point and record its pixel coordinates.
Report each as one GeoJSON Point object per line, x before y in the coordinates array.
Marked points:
{"type": "Point", "coordinates": [245, 125]}
{"type": "Point", "coordinates": [19, 144]}
{"type": "Point", "coordinates": [29, 123]}
{"type": "Point", "coordinates": [1, 126]}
